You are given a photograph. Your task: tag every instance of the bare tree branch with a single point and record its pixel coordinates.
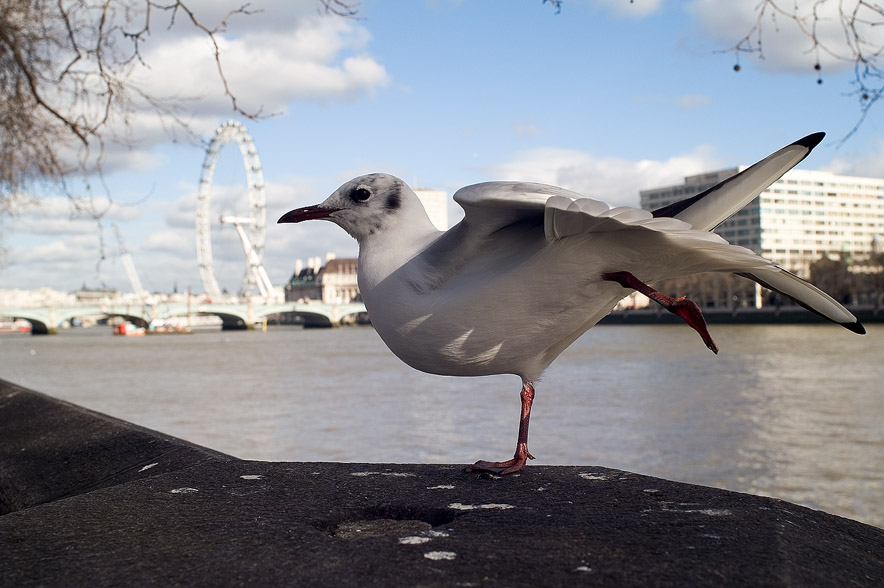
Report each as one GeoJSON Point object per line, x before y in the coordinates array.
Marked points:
{"type": "Point", "coordinates": [343, 8]}
{"type": "Point", "coordinates": [210, 33]}
{"type": "Point", "coordinates": [66, 73]}
{"type": "Point", "coordinates": [856, 20]}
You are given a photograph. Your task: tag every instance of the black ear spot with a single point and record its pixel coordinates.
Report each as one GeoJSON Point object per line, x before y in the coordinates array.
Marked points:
{"type": "Point", "coordinates": [360, 193]}
{"type": "Point", "coordinates": [393, 202]}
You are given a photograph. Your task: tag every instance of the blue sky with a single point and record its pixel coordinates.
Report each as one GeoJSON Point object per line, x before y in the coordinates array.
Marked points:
{"type": "Point", "coordinates": [606, 98]}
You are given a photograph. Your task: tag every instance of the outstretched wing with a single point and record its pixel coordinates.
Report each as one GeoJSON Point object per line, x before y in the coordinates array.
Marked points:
{"type": "Point", "coordinates": [701, 250]}
{"type": "Point", "coordinates": [707, 210]}
{"type": "Point", "coordinates": [509, 216]}
{"type": "Point", "coordinates": [491, 206]}
{"type": "Point", "coordinates": [496, 211]}
{"type": "Point", "coordinates": [806, 294]}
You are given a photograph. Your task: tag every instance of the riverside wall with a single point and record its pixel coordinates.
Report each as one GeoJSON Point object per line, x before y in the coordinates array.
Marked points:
{"type": "Point", "coordinates": [89, 500]}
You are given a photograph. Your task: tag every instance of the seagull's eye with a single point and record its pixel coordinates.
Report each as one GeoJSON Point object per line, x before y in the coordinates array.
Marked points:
{"type": "Point", "coordinates": [360, 194]}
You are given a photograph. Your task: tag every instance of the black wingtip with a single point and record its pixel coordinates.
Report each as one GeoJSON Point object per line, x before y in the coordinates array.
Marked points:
{"type": "Point", "coordinates": [856, 327]}
{"type": "Point", "coordinates": [810, 141]}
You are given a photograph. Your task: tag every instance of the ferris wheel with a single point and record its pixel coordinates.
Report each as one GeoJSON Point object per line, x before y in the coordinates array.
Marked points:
{"type": "Point", "coordinates": [252, 237]}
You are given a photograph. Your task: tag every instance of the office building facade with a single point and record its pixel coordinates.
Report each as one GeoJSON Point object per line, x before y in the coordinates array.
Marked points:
{"type": "Point", "coordinates": [804, 216]}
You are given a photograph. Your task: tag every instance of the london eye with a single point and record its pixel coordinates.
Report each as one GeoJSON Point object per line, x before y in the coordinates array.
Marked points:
{"type": "Point", "coordinates": [250, 227]}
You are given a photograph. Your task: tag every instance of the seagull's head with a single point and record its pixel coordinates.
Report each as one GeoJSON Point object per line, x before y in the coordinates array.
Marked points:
{"type": "Point", "coordinates": [365, 206]}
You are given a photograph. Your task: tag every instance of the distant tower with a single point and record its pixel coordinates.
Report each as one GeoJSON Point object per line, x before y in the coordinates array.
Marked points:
{"type": "Point", "coordinates": [436, 203]}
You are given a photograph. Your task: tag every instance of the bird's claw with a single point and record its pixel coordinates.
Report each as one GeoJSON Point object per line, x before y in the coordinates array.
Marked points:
{"type": "Point", "coordinates": [687, 310]}
{"type": "Point", "coordinates": [690, 312]}
{"type": "Point", "coordinates": [502, 468]}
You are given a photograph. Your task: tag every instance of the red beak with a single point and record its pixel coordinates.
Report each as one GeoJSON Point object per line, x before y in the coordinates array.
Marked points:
{"type": "Point", "coordinates": [307, 213]}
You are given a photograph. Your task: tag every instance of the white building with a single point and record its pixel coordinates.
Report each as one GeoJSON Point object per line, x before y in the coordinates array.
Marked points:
{"type": "Point", "coordinates": [802, 217]}
{"type": "Point", "coordinates": [332, 283]}
{"type": "Point", "coordinates": [436, 204]}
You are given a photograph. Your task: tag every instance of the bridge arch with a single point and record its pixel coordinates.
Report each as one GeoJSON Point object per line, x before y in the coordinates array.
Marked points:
{"type": "Point", "coordinates": [231, 321]}
{"type": "Point", "coordinates": [39, 325]}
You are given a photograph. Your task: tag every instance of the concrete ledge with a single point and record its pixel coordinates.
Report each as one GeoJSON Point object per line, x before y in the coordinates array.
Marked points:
{"type": "Point", "coordinates": [201, 518]}
{"type": "Point", "coordinates": [50, 449]}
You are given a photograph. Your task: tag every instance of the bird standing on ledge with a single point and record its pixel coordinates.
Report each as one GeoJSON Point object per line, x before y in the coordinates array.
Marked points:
{"type": "Point", "coordinates": [531, 267]}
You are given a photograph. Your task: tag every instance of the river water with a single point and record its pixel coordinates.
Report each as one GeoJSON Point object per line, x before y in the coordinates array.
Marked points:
{"type": "Point", "coordinates": [794, 412]}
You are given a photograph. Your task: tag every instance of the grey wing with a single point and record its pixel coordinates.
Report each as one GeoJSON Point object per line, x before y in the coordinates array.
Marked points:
{"type": "Point", "coordinates": [555, 213]}
{"type": "Point", "coordinates": [806, 294]}
{"type": "Point", "coordinates": [565, 218]}
{"type": "Point", "coordinates": [491, 206]}
{"type": "Point", "coordinates": [511, 214]}
{"type": "Point", "coordinates": [489, 209]}
{"type": "Point", "coordinates": [502, 215]}
{"type": "Point", "coordinates": [707, 210]}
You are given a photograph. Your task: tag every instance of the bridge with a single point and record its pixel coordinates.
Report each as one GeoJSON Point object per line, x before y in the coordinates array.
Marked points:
{"type": "Point", "coordinates": [46, 319]}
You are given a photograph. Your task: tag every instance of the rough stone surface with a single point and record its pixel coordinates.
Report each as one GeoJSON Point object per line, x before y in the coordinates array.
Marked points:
{"type": "Point", "coordinates": [50, 449]}
{"type": "Point", "coordinates": [199, 518]}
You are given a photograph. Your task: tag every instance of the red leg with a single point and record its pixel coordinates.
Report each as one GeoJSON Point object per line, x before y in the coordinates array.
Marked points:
{"type": "Point", "coordinates": [521, 456]}
{"type": "Point", "coordinates": [681, 306]}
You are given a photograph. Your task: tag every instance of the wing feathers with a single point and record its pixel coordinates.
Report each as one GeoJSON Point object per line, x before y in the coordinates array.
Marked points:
{"type": "Point", "coordinates": [564, 217]}
{"type": "Point", "coordinates": [709, 209]}
{"type": "Point", "coordinates": [805, 294]}
{"type": "Point", "coordinates": [493, 206]}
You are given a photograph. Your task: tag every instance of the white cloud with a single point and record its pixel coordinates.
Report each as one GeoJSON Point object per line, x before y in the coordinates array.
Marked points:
{"type": "Point", "coordinates": [313, 59]}
{"type": "Point", "coordinates": [613, 180]}
{"type": "Point", "coordinates": [270, 59]}
{"type": "Point", "coordinates": [72, 251]}
{"type": "Point", "coordinates": [869, 164]}
{"type": "Point", "coordinates": [56, 215]}
{"type": "Point", "coordinates": [168, 241]}
{"type": "Point", "coordinates": [786, 47]}
{"type": "Point", "coordinates": [51, 242]}
{"type": "Point", "coordinates": [260, 15]}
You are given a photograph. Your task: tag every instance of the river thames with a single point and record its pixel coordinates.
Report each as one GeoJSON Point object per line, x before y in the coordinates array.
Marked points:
{"type": "Point", "coordinates": [790, 411]}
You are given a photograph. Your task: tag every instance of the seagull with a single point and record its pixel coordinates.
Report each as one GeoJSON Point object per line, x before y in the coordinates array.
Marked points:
{"type": "Point", "coordinates": [531, 267]}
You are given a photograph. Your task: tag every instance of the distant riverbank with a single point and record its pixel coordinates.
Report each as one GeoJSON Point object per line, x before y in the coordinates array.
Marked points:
{"type": "Point", "coordinates": [791, 315]}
